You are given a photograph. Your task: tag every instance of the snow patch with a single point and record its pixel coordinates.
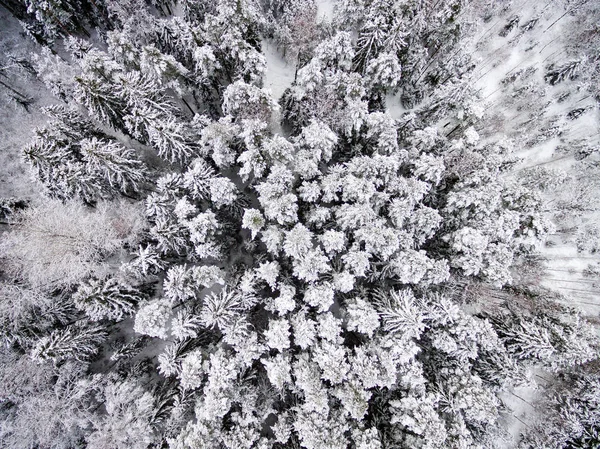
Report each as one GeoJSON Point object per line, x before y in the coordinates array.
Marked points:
{"type": "Point", "coordinates": [393, 106]}
{"type": "Point", "coordinates": [280, 74]}
{"type": "Point", "coordinates": [325, 9]}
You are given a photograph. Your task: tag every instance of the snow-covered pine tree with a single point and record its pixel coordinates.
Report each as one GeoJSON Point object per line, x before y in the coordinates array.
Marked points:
{"type": "Point", "coordinates": [73, 158]}
{"type": "Point", "coordinates": [69, 343]}
{"type": "Point", "coordinates": [107, 299]}
{"type": "Point", "coordinates": [346, 281]}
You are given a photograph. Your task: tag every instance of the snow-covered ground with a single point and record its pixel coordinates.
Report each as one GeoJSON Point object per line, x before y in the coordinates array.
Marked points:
{"type": "Point", "coordinates": [17, 123]}
{"type": "Point", "coordinates": [280, 73]}
{"type": "Point", "coordinates": [325, 9]}
{"type": "Point", "coordinates": [499, 57]}
{"type": "Point", "coordinates": [536, 49]}
{"type": "Point", "coordinates": [394, 106]}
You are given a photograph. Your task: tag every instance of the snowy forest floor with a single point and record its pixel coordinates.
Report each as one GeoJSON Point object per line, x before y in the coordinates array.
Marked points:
{"type": "Point", "coordinates": [17, 122]}
{"type": "Point", "coordinates": [500, 57]}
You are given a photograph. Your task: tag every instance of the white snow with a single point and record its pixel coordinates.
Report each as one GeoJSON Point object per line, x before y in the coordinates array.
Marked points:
{"type": "Point", "coordinates": [18, 124]}
{"type": "Point", "coordinates": [325, 9]}
{"type": "Point", "coordinates": [280, 74]}
{"type": "Point", "coordinates": [393, 106]}
{"type": "Point", "coordinates": [519, 404]}
{"type": "Point", "coordinates": [501, 56]}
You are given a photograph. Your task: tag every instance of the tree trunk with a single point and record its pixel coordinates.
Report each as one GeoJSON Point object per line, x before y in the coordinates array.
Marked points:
{"type": "Point", "coordinates": [13, 90]}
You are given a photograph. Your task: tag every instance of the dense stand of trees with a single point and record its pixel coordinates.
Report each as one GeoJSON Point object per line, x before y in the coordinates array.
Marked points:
{"type": "Point", "coordinates": [209, 266]}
